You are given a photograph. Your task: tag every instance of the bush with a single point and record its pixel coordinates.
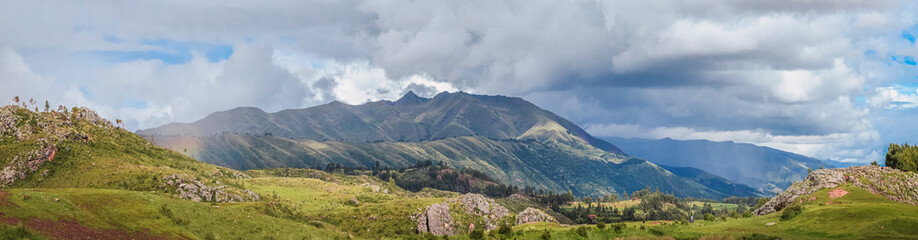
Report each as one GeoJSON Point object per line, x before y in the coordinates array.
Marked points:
{"type": "Point", "coordinates": [477, 234]}
{"type": "Point", "coordinates": [546, 235]}
{"type": "Point", "coordinates": [505, 229]}
{"type": "Point", "coordinates": [601, 225]}
{"type": "Point", "coordinates": [582, 231]}
{"type": "Point", "coordinates": [709, 217]}
{"type": "Point", "coordinates": [791, 212]}
{"type": "Point", "coordinates": [747, 214]}
{"type": "Point", "coordinates": [618, 227]}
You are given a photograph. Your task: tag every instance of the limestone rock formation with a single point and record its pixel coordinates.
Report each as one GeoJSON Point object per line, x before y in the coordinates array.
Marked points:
{"type": "Point", "coordinates": [197, 191]}
{"type": "Point", "coordinates": [482, 208]}
{"type": "Point", "coordinates": [533, 215]}
{"type": "Point", "coordinates": [436, 219]}
{"type": "Point", "coordinates": [890, 183]}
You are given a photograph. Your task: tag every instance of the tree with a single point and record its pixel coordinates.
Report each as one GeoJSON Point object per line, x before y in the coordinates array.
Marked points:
{"type": "Point", "coordinates": [902, 157]}
{"type": "Point", "coordinates": [874, 163]}
{"type": "Point", "coordinates": [588, 200]}
{"type": "Point", "coordinates": [47, 106]}
{"type": "Point", "coordinates": [16, 99]}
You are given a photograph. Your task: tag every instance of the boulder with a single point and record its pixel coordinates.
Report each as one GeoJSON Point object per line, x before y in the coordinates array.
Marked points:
{"type": "Point", "coordinates": [481, 207]}
{"type": "Point", "coordinates": [436, 219]}
{"type": "Point", "coordinates": [533, 215]}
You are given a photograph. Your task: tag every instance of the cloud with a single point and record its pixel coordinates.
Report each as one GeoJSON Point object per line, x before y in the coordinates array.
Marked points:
{"type": "Point", "coordinates": [836, 146]}
{"type": "Point", "coordinates": [893, 98]}
{"type": "Point", "coordinates": [756, 67]}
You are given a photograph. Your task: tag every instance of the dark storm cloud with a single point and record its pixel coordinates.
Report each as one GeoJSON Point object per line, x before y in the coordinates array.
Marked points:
{"type": "Point", "coordinates": [784, 73]}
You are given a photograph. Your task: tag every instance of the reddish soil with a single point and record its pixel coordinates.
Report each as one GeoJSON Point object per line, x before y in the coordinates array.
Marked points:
{"type": "Point", "coordinates": [3, 201]}
{"type": "Point", "coordinates": [837, 193]}
{"type": "Point", "coordinates": [71, 230]}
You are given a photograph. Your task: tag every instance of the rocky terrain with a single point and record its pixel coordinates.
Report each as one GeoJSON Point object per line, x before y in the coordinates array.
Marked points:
{"type": "Point", "coordinates": [533, 215]}
{"type": "Point", "coordinates": [470, 211]}
{"type": "Point", "coordinates": [45, 132]}
{"type": "Point", "coordinates": [887, 182]}
{"type": "Point", "coordinates": [191, 189]}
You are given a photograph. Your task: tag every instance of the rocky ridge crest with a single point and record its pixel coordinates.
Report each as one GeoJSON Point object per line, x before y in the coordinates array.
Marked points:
{"type": "Point", "coordinates": [884, 181]}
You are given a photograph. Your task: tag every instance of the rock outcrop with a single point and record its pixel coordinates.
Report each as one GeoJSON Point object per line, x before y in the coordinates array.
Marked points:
{"type": "Point", "coordinates": [21, 166]}
{"type": "Point", "coordinates": [533, 215]}
{"type": "Point", "coordinates": [436, 219]}
{"type": "Point", "coordinates": [481, 207]}
{"type": "Point", "coordinates": [887, 182]}
{"type": "Point", "coordinates": [197, 191]}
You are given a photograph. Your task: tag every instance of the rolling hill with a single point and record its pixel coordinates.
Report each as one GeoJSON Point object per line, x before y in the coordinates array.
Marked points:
{"type": "Point", "coordinates": [507, 138]}
{"type": "Point", "coordinates": [766, 169]}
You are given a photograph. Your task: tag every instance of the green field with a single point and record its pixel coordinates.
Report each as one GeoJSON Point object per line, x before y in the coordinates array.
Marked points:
{"type": "Point", "coordinates": [109, 186]}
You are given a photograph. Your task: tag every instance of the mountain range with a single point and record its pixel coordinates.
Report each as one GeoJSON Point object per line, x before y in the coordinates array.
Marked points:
{"type": "Point", "coordinates": [766, 169]}
{"type": "Point", "coordinates": [508, 138]}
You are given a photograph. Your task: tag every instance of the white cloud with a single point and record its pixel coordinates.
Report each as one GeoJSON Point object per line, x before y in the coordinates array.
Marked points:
{"type": "Point", "coordinates": [846, 146]}
{"type": "Point", "coordinates": [893, 98]}
{"type": "Point", "coordinates": [777, 68]}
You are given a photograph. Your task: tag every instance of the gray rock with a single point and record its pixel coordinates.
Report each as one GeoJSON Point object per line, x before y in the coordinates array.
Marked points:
{"type": "Point", "coordinates": [197, 191]}
{"type": "Point", "coordinates": [436, 219]}
{"type": "Point", "coordinates": [890, 183]}
{"type": "Point", "coordinates": [533, 215]}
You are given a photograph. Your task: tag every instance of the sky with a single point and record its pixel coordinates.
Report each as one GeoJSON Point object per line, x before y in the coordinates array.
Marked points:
{"type": "Point", "coordinates": [828, 79]}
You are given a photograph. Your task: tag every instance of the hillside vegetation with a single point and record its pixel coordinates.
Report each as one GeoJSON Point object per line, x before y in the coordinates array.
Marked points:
{"type": "Point", "coordinates": [903, 157]}
{"type": "Point", "coordinates": [508, 139]}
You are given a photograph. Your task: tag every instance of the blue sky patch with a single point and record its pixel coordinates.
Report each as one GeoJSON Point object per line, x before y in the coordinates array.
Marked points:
{"type": "Point", "coordinates": [908, 36]}
{"type": "Point", "coordinates": [172, 52]}
{"type": "Point", "coordinates": [909, 60]}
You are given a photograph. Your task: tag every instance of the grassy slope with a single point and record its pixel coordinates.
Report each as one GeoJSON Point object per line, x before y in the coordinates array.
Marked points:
{"type": "Point", "coordinates": [112, 158]}
{"type": "Point", "coordinates": [556, 167]}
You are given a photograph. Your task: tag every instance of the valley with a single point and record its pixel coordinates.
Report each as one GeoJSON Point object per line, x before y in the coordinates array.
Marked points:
{"type": "Point", "coordinates": [70, 174]}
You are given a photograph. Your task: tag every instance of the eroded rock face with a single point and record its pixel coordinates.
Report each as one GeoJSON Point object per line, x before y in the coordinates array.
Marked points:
{"type": "Point", "coordinates": [436, 219]}
{"type": "Point", "coordinates": [533, 215]}
{"type": "Point", "coordinates": [21, 167]}
{"type": "Point", "coordinates": [890, 183]}
{"type": "Point", "coordinates": [481, 207]}
{"type": "Point", "coordinates": [197, 191]}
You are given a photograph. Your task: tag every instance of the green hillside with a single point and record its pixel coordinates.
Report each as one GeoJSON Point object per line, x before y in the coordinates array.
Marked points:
{"type": "Point", "coordinates": [71, 175]}
{"type": "Point", "coordinates": [509, 139]}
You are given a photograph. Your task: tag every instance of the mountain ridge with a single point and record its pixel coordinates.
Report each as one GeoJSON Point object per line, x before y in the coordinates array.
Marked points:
{"type": "Point", "coordinates": [764, 168]}
{"type": "Point", "coordinates": [506, 137]}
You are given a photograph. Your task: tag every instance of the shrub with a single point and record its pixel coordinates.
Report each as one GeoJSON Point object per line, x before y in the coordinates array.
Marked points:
{"type": "Point", "coordinates": [709, 217]}
{"type": "Point", "coordinates": [601, 225]}
{"type": "Point", "coordinates": [505, 229]}
{"type": "Point", "coordinates": [546, 235]}
{"type": "Point", "coordinates": [791, 212]}
{"type": "Point", "coordinates": [582, 231]}
{"type": "Point", "coordinates": [477, 234]}
{"type": "Point", "coordinates": [747, 214]}
{"type": "Point", "coordinates": [618, 227]}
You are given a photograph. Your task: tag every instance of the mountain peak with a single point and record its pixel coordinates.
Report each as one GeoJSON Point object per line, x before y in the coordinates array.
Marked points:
{"type": "Point", "coordinates": [410, 98]}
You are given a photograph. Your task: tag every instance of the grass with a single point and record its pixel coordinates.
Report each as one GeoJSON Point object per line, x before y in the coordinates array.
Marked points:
{"type": "Point", "coordinates": [110, 183]}
{"type": "Point", "coordinates": [143, 211]}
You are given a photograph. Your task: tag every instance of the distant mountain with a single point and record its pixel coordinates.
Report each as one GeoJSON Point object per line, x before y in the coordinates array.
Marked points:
{"type": "Point", "coordinates": [838, 164]}
{"type": "Point", "coordinates": [507, 138]}
{"type": "Point", "coordinates": [766, 169]}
